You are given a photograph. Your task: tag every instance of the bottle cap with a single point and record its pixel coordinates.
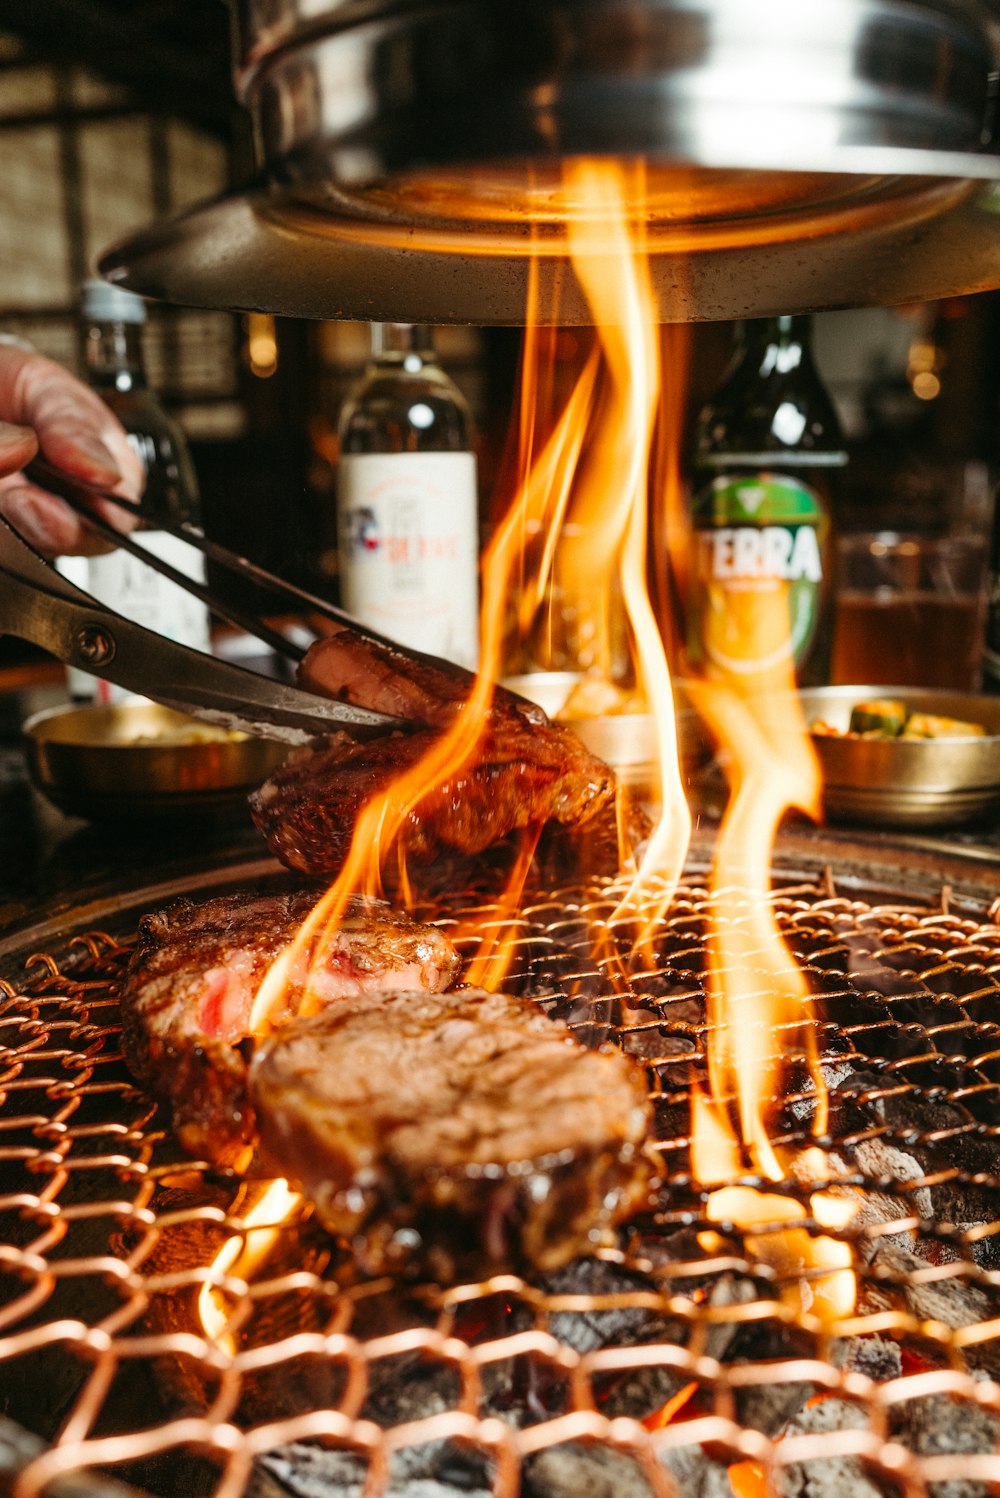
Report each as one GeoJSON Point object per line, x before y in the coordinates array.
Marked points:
{"type": "Point", "coordinates": [102, 302]}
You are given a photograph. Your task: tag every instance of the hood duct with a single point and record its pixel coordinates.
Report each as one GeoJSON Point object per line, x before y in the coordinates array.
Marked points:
{"type": "Point", "coordinates": [794, 156]}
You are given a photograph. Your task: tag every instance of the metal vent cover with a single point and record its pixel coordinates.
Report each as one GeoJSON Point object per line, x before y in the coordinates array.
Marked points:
{"type": "Point", "coordinates": [792, 157]}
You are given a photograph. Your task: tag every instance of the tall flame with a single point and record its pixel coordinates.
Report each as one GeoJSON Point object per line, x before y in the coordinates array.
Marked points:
{"type": "Point", "coordinates": [581, 503]}
{"type": "Point", "coordinates": [613, 504]}
{"type": "Point", "coordinates": [575, 538]}
{"type": "Point", "coordinates": [757, 1007]}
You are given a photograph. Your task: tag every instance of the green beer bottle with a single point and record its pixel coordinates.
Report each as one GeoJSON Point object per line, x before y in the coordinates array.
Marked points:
{"type": "Point", "coordinates": [767, 450]}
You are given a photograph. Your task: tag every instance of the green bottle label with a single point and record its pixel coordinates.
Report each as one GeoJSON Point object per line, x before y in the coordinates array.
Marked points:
{"type": "Point", "coordinates": [755, 535]}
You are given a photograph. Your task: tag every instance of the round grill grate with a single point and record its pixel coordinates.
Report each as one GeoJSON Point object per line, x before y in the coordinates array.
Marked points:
{"type": "Point", "coordinates": [674, 1365]}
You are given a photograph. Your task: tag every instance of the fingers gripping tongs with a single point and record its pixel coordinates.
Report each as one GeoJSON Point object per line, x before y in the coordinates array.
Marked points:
{"type": "Point", "coordinates": [37, 604]}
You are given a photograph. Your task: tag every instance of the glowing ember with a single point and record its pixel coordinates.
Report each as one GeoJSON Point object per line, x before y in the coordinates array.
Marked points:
{"type": "Point", "coordinates": [241, 1256]}
{"type": "Point", "coordinates": [673, 1407]}
{"type": "Point", "coordinates": [749, 1480]}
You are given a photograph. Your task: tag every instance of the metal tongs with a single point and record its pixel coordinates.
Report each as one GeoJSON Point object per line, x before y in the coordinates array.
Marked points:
{"type": "Point", "coordinates": [41, 606]}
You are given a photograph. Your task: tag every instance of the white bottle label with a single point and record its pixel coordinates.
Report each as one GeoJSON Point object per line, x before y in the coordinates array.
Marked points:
{"type": "Point", "coordinates": [132, 588]}
{"type": "Point", "coordinates": [409, 549]}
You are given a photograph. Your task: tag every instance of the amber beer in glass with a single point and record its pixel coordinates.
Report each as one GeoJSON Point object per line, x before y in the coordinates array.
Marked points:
{"type": "Point", "coordinates": [909, 610]}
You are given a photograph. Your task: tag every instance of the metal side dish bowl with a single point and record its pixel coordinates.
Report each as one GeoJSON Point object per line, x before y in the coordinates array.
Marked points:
{"type": "Point", "coordinates": [625, 739]}
{"type": "Point", "coordinates": [904, 782]}
{"type": "Point", "coordinates": [137, 758]}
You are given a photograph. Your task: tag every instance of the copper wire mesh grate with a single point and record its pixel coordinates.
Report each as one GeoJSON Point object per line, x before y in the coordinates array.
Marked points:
{"type": "Point", "coordinates": [667, 1367]}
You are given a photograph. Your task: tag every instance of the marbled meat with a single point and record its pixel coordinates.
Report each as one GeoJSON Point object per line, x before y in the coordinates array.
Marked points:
{"type": "Point", "coordinates": [194, 974]}
{"type": "Point", "coordinates": [457, 1133]}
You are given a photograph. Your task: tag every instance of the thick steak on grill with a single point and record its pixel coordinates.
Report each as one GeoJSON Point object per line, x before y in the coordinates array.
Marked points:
{"type": "Point", "coordinates": [460, 1133]}
{"type": "Point", "coordinates": [195, 972]}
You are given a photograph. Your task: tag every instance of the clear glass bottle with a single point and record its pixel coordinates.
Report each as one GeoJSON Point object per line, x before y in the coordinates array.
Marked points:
{"type": "Point", "coordinates": [111, 324]}
{"type": "Point", "coordinates": [768, 449]}
{"type": "Point", "coordinates": [407, 506]}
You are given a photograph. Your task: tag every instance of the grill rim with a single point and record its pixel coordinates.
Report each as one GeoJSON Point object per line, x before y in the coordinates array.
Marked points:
{"type": "Point", "coordinates": [893, 868]}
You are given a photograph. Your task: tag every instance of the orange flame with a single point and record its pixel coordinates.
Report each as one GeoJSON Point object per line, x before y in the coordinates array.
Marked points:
{"type": "Point", "coordinates": [575, 539]}
{"type": "Point", "coordinates": [581, 506]}
{"type": "Point", "coordinates": [242, 1256]}
{"type": "Point", "coordinates": [662, 1417]}
{"type": "Point", "coordinates": [757, 993]}
{"type": "Point", "coordinates": [597, 491]}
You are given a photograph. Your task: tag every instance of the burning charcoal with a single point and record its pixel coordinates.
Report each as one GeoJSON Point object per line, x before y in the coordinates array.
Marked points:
{"type": "Point", "coordinates": [643, 1391]}
{"type": "Point", "coordinates": [952, 1301]}
{"type": "Point", "coordinates": [624, 1326]}
{"type": "Point", "coordinates": [829, 1477]}
{"type": "Point", "coordinates": [696, 1474]}
{"type": "Point", "coordinates": [877, 1358]}
{"type": "Point", "coordinates": [636, 1392]}
{"type": "Point", "coordinates": [435, 1470]}
{"type": "Point", "coordinates": [938, 1424]}
{"type": "Point", "coordinates": [770, 1407]}
{"type": "Point", "coordinates": [411, 1388]}
{"type": "Point", "coordinates": [18, 1448]}
{"type": "Point", "coordinates": [572, 1470]}
{"type": "Point", "coordinates": [568, 1471]}
{"type": "Point", "coordinates": [882, 1163]}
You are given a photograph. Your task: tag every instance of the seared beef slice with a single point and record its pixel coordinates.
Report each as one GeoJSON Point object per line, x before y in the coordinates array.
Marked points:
{"type": "Point", "coordinates": [195, 972]}
{"type": "Point", "coordinates": [516, 776]}
{"type": "Point", "coordinates": [461, 1133]}
{"type": "Point", "coordinates": [524, 769]}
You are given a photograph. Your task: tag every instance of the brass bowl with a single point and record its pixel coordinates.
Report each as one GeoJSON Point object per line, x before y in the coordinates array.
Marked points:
{"type": "Point", "coordinates": [141, 759]}
{"type": "Point", "coordinates": [908, 782]}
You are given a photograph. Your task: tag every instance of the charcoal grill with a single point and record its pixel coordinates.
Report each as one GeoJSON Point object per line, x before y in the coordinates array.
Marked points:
{"type": "Point", "coordinates": [660, 1368]}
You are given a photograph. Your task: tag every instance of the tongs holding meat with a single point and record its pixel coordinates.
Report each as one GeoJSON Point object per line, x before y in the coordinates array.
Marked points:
{"type": "Point", "coordinates": [516, 769]}
{"type": "Point", "coordinates": [39, 605]}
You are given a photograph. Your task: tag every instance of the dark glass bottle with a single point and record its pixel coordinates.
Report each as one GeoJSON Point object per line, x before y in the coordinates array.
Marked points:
{"type": "Point", "coordinates": [111, 324]}
{"type": "Point", "coordinates": [407, 511]}
{"type": "Point", "coordinates": [768, 448]}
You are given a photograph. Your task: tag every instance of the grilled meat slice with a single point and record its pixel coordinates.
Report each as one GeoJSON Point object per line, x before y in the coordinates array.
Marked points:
{"type": "Point", "coordinates": [416, 688]}
{"type": "Point", "coordinates": [460, 1133]}
{"type": "Point", "coordinates": [516, 776]}
{"type": "Point", "coordinates": [524, 769]}
{"type": "Point", "coordinates": [193, 977]}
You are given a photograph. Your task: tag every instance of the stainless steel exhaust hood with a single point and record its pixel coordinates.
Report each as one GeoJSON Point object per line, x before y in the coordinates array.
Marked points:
{"type": "Point", "coordinates": [795, 155]}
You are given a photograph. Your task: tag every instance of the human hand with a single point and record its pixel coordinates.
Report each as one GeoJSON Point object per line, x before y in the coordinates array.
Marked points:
{"type": "Point", "coordinates": [45, 409]}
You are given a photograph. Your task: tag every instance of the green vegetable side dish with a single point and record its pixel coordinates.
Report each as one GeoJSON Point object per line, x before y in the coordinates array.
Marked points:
{"type": "Point", "coordinates": [886, 718]}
